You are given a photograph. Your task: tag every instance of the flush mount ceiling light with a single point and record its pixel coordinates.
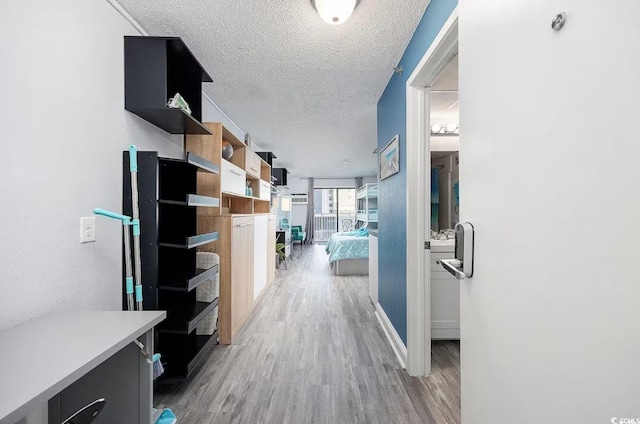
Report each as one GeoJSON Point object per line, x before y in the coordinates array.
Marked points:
{"type": "Point", "coordinates": [335, 12]}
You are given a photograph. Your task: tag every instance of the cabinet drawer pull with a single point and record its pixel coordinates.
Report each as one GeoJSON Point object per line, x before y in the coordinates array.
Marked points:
{"type": "Point", "coordinates": [233, 171]}
{"type": "Point", "coordinates": [244, 225]}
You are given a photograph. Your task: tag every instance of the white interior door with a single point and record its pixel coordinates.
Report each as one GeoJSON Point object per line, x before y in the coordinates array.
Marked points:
{"type": "Point", "coordinates": [549, 142]}
{"type": "Point", "coordinates": [260, 255]}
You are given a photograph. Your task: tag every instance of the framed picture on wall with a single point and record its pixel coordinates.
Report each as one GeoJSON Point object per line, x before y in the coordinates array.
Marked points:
{"type": "Point", "coordinates": [390, 158]}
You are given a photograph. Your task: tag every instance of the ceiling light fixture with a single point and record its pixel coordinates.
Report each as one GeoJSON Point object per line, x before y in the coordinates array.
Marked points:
{"type": "Point", "coordinates": [335, 12]}
{"type": "Point", "coordinates": [445, 129]}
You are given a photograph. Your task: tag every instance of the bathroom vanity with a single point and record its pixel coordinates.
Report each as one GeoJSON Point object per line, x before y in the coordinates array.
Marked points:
{"type": "Point", "coordinates": [445, 294]}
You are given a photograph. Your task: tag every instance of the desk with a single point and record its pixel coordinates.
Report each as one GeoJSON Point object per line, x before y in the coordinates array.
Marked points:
{"type": "Point", "coordinates": [67, 356]}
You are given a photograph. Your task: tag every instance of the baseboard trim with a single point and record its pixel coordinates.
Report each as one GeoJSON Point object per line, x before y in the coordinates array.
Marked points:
{"type": "Point", "coordinates": [392, 335]}
{"type": "Point", "coordinates": [445, 334]}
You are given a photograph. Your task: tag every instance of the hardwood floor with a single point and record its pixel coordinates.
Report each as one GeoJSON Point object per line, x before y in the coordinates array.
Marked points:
{"type": "Point", "coordinates": [313, 352]}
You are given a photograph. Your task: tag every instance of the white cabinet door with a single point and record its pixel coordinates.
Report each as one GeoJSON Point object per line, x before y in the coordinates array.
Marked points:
{"type": "Point", "coordinates": [265, 190]}
{"type": "Point", "coordinates": [445, 300]}
{"type": "Point", "coordinates": [252, 163]}
{"type": "Point", "coordinates": [232, 178]}
{"type": "Point", "coordinates": [260, 255]}
{"type": "Point", "coordinates": [373, 269]}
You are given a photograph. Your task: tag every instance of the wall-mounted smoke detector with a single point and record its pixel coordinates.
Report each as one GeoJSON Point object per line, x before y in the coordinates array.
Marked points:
{"type": "Point", "coordinates": [335, 12]}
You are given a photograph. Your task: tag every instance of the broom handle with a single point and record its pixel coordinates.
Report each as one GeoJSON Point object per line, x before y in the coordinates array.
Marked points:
{"type": "Point", "coordinates": [133, 165]}
{"type": "Point", "coordinates": [126, 222]}
{"type": "Point", "coordinates": [128, 270]}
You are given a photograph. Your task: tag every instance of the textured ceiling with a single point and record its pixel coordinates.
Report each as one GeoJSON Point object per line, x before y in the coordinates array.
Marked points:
{"type": "Point", "coordinates": [302, 88]}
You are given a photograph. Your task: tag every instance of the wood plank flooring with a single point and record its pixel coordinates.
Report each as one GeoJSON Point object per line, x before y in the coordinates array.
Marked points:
{"type": "Point", "coordinates": [313, 352]}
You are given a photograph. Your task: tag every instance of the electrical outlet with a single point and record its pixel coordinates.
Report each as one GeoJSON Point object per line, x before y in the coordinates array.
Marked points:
{"type": "Point", "coordinates": [88, 229]}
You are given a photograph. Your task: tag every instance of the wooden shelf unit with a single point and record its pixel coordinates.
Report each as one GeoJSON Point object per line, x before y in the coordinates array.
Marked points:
{"type": "Point", "coordinates": [210, 148]}
{"type": "Point", "coordinates": [245, 228]}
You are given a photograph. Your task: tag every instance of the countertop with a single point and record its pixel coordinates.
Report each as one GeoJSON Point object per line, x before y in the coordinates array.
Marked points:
{"type": "Point", "coordinates": [41, 357]}
{"type": "Point", "coordinates": [443, 245]}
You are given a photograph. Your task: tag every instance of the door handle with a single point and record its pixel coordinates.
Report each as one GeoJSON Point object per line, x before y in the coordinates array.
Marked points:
{"type": "Point", "coordinates": [453, 267]}
{"type": "Point", "coordinates": [233, 171]}
{"type": "Point", "coordinates": [461, 266]}
{"type": "Point", "coordinates": [244, 225]}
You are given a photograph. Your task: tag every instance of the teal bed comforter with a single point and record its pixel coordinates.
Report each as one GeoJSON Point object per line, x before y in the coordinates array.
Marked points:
{"type": "Point", "coordinates": [348, 246]}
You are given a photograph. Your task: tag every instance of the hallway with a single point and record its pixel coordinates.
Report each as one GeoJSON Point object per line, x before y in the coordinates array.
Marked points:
{"type": "Point", "coordinates": [313, 352]}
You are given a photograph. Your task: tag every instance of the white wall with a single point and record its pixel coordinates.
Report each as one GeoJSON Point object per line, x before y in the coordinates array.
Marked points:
{"type": "Point", "coordinates": [64, 130]}
{"type": "Point", "coordinates": [448, 143]}
{"type": "Point", "coordinates": [212, 113]}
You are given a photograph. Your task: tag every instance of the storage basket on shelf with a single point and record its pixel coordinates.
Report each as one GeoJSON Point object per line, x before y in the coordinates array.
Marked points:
{"type": "Point", "coordinates": [208, 292]}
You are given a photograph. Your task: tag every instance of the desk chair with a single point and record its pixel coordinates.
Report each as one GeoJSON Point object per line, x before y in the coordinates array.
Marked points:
{"type": "Point", "coordinates": [298, 235]}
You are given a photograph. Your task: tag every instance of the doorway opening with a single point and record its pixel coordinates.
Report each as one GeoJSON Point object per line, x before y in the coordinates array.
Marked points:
{"type": "Point", "coordinates": [442, 147]}
{"type": "Point", "coordinates": [419, 137]}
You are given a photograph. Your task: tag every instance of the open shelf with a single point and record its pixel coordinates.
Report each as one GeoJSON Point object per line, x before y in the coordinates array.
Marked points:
{"type": "Point", "coordinates": [203, 346]}
{"type": "Point", "coordinates": [183, 354]}
{"type": "Point", "coordinates": [237, 196]}
{"type": "Point", "coordinates": [201, 164]}
{"type": "Point", "coordinates": [173, 121]}
{"type": "Point", "coordinates": [181, 282]}
{"type": "Point", "coordinates": [194, 200]}
{"type": "Point", "coordinates": [156, 68]}
{"type": "Point", "coordinates": [228, 136]}
{"type": "Point", "coordinates": [261, 206]}
{"type": "Point", "coordinates": [191, 241]}
{"type": "Point", "coordinates": [185, 319]}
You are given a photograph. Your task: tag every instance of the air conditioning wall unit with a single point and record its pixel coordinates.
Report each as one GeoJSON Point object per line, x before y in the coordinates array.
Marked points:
{"type": "Point", "coordinates": [299, 199]}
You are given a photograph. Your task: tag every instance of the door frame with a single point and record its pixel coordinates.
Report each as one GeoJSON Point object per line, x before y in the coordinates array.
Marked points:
{"type": "Point", "coordinates": [418, 190]}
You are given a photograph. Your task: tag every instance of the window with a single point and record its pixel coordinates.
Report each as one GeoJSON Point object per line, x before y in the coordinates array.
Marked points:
{"type": "Point", "coordinates": [335, 210]}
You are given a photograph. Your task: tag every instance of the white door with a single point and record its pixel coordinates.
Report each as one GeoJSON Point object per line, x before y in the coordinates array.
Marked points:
{"type": "Point", "coordinates": [260, 255]}
{"type": "Point", "coordinates": [551, 182]}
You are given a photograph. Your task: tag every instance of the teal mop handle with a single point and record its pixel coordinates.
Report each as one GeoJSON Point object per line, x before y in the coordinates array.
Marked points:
{"type": "Point", "coordinates": [126, 223]}
{"type": "Point", "coordinates": [133, 167]}
{"type": "Point", "coordinates": [133, 158]}
{"type": "Point", "coordinates": [126, 220]}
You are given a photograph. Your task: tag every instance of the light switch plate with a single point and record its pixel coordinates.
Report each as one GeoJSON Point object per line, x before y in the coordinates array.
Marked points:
{"type": "Point", "coordinates": [88, 229]}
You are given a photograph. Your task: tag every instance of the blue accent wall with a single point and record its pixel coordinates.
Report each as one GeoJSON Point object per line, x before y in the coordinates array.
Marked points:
{"type": "Point", "coordinates": [392, 261]}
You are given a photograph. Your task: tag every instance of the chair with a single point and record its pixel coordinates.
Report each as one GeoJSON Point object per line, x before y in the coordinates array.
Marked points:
{"type": "Point", "coordinates": [347, 225]}
{"type": "Point", "coordinates": [298, 235]}
{"type": "Point", "coordinates": [284, 223]}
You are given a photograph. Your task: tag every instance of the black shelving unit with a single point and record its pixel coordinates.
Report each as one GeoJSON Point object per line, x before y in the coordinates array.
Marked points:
{"type": "Point", "coordinates": [168, 202]}
{"type": "Point", "coordinates": [280, 174]}
{"type": "Point", "coordinates": [156, 68]}
{"type": "Point", "coordinates": [267, 157]}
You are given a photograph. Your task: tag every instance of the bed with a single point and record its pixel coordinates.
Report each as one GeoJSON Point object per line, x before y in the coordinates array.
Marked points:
{"type": "Point", "coordinates": [349, 253]}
